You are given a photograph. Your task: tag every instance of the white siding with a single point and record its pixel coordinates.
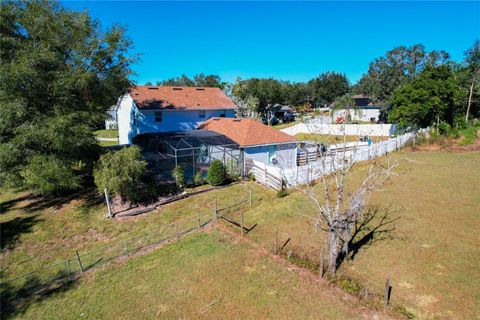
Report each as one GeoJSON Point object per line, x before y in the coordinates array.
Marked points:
{"type": "Point", "coordinates": [125, 119]}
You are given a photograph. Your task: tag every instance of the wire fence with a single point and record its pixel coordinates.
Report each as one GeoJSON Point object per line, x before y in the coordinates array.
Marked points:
{"type": "Point", "coordinates": [80, 262]}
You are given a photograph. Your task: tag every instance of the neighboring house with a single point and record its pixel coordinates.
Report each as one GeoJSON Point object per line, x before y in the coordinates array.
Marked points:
{"type": "Point", "coordinates": [112, 119]}
{"type": "Point", "coordinates": [365, 110]}
{"type": "Point", "coordinates": [257, 141]}
{"type": "Point", "coordinates": [149, 109]}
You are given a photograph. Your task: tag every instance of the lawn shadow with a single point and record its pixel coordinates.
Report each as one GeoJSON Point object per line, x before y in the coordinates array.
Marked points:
{"type": "Point", "coordinates": [5, 206]}
{"type": "Point", "coordinates": [15, 300]}
{"type": "Point", "coordinates": [376, 225]}
{"type": "Point", "coordinates": [12, 230]}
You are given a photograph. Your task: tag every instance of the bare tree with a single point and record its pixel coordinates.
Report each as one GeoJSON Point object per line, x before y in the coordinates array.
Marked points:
{"type": "Point", "coordinates": [336, 212]}
{"type": "Point", "coordinates": [472, 58]}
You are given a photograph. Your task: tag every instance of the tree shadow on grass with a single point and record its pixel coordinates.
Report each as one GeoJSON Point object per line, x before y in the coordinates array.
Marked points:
{"type": "Point", "coordinates": [376, 225]}
{"type": "Point", "coordinates": [10, 231]}
{"type": "Point", "coordinates": [6, 206]}
{"type": "Point", "coordinates": [16, 299]}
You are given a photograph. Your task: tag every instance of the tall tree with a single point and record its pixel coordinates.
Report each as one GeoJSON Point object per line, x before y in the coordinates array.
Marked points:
{"type": "Point", "coordinates": [58, 76]}
{"type": "Point", "coordinates": [199, 80]}
{"type": "Point", "coordinates": [429, 99]}
{"type": "Point", "coordinates": [328, 86]}
{"type": "Point", "coordinates": [396, 68]}
{"type": "Point", "coordinates": [472, 60]}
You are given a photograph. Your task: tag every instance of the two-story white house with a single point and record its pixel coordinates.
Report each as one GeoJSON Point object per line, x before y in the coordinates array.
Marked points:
{"type": "Point", "coordinates": [146, 109]}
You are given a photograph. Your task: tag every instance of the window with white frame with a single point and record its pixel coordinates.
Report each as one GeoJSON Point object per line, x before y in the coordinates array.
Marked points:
{"type": "Point", "coordinates": [158, 116]}
{"type": "Point", "coordinates": [201, 114]}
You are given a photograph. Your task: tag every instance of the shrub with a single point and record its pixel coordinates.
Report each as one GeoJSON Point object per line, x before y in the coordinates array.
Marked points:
{"type": "Point", "coordinates": [282, 193]}
{"type": "Point", "coordinates": [216, 173]}
{"type": "Point", "coordinates": [48, 175]}
{"type": "Point", "coordinates": [232, 170]}
{"type": "Point", "coordinates": [251, 177]}
{"type": "Point", "coordinates": [120, 172]}
{"type": "Point", "coordinates": [179, 175]}
{"type": "Point", "coordinates": [198, 179]}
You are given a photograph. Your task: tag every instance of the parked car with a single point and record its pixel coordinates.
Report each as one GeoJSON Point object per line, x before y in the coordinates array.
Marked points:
{"type": "Point", "coordinates": [288, 117]}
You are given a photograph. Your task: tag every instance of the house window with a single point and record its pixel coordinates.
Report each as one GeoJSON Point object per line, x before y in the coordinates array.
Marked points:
{"type": "Point", "coordinates": [272, 154]}
{"type": "Point", "coordinates": [201, 114]}
{"type": "Point", "coordinates": [135, 119]}
{"type": "Point", "coordinates": [158, 116]}
{"type": "Point", "coordinates": [222, 115]}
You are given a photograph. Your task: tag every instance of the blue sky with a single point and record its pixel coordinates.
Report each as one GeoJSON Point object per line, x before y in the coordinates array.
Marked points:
{"type": "Point", "coordinates": [286, 40]}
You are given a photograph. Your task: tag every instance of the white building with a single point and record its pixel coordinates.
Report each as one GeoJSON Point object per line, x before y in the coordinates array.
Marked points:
{"type": "Point", "coordinates": [257, 141]}
{"type": "Point", "coordinates": [149, 109]}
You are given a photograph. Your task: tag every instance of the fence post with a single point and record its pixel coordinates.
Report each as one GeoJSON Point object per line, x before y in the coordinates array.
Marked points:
{"type": "Point", "coordinates": [215, 210]}
{"type": "Point", "coordinates": [68, 269]}
{"type": "Point", "coordinates": [387, 293]}
{"type": "Point", "coordinates": [126, 247]}
{"type": "Point", "coordinates": [79, 261]}
{"type": "Point", "coordinates": [241, 222]}
{"type": "Point", "coordinates": [108, 203]}
{"type": "Point", "coordinates": [198, 220]}
{"type": "Point", "coordinates": [276, 239]}
{"type": "Point", "coordinates": [176, 230]}
{"type": "Point", "coordinates": [250, 196]}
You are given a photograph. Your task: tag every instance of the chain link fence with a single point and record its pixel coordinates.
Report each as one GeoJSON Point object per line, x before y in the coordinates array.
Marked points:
{"type": "Point", "coordinates": [80, 262]}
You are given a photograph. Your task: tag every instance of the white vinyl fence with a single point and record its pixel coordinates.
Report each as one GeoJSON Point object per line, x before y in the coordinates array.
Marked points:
{"type": "Point", "coordinates": [383, 130]}
{"type": "Point", "coordinates": [335, 159]}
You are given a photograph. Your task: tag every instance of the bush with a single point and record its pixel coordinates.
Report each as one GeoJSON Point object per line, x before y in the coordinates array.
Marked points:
{"type": "Point", "coordinates": [216, 173]}
{"type": "Point", "coordinates": [179, 175]}
{"type": "Point", "coordinates": [198, 179]}
{"type": "Point", "coordinates": [251, 177]}
{"type": "Point", "coordinates": [48, 175]}
{"type": "Point", "coordinates": [282, 193]}
{"type": "Point", "coordinates": [232, 170]}
{"type": "Point", "coordinates": [120, 172]}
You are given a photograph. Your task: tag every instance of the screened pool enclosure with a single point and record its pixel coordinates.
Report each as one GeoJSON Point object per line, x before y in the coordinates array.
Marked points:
{"type": "Point", "coordinates": [192, 150]}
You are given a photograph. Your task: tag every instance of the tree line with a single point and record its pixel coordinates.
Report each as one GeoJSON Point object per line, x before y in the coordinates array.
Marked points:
{"type": "Point", "coordinates": [406, 81]}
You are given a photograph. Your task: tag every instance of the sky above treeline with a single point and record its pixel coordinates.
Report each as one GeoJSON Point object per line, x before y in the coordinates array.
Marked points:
{"type": "Point", "coordinates": [292, 41]}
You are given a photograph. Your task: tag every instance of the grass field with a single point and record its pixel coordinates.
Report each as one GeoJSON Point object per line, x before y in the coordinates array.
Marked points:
{"type": "Point", "coordinates": [329, 139]}
{"type": "Point", "coordinates": [431, 257]}
{"type": "Point", "coordinates": [204, 276]}
{"type": "Point", "coordinates": [107, 133]}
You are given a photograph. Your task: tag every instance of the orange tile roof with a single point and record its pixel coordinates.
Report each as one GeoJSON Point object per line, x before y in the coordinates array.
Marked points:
{"type": "Point", "coordinates": [246, 132]}
{"type": "Point", "coordinates": [194, 98]}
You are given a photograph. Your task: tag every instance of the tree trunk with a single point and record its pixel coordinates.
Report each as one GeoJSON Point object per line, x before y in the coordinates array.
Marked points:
{"type": "Point", "coordinates": [333, 251]}
{"type": "Point", "coordinates": [470, 99]}
{"type": "Point", "coordinates": [346, 238]}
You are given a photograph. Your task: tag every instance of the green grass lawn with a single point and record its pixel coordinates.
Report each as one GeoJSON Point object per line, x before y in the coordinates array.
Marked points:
{"type": "Point", "coordinates": [204, 276]}
{"type": "Point", "coordinates": [432, 258]}
{"type": "Point", "coordinates": [107, 133]}
{"type": "Point", "coordinates": [330, 139]}
{"type": "Point", "coordinates": [286, 125]}
{"type": "Point", "coordinates": [35, 234]}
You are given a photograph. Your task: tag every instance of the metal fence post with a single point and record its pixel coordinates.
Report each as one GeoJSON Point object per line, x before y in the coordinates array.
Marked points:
{"type": "Point", "coordinates": [215, 210]}
{"type": "Point", "coordinates": [198, 220]}
{"type": "Point", "coordinates": [68, 269]}
{"type": "Point", "coordinates": [241, 222]}
{"type": "Point", "coordinates": [108, 203]}
{"type": "Point", "coordinates": [126, 247]}
{"type": "Point", "coordinates": [176, 229]}
{"type": "Point", "coordinates": [250, 196]}
{"type": "Point", "coordinates": [79, 261]}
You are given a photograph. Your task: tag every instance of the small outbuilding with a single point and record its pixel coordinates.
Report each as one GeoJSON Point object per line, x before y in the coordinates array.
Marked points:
{"type": "Point", "coordinates": [256, 140]}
